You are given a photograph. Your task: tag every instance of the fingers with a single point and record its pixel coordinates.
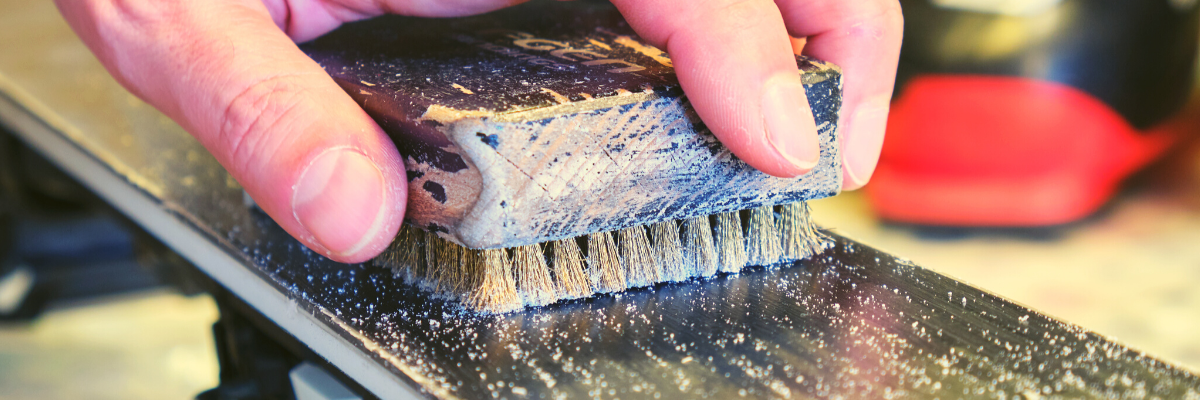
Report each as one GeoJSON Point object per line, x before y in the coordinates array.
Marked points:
{"type": "Point", "coordinates": [304, 20]}
{"type": "Point", "coordinates": [734, 60]}
{"type": "Point", "coordinates": [308, 155]}
{"type": "Point", "coordinates": [863, 37]}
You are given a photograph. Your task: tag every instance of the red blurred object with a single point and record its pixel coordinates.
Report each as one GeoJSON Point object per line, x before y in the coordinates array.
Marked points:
{"type": "Point", "coordinates": [996, 151]}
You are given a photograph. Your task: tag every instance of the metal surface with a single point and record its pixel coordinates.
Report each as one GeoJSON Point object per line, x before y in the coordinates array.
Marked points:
{"type": "Point", "coordinates": [851, 323]}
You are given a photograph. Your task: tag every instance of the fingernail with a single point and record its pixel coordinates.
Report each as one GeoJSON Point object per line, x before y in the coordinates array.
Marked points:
{"type": "Point", "coordinates": [339, 199]}
{"type": "Point", "coordinates": [864, 139]}
{"type": "Point", "coordinates": [789, 122]}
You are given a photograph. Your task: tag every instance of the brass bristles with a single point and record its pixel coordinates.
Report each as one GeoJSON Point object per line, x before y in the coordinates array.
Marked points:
{"type": "Point", "coordinates": [499, 280]}
{"type": "Point", "coordinates": [416, 253]}
{"type": "Point", "coordinates": [470, 270]}
{"type": "Point", "coordinates": [641, 269]}
{"type": "Point", "coordinates": [762, 238]}
{"type": "Point", "coordinates": [731, 245]}
{"type": "Point", "coordinates": [604, 267]}
{"type": "Point", "coordinates": [496, 291]}
{"type": "Point", "coordinates": [444, 266]}
{"type": "Point", "coordinates": [699, 253]}
{"type": "Point", "coordinates": [800, 237]}
{"type": "Point", "coordinates": [668, 251]}
{"type": "Point", "coordinates": [533, 276]}
{"type": "Point", "coordinates": [569, 278]}
{"type": "Point", "coordinates": [406, 254]}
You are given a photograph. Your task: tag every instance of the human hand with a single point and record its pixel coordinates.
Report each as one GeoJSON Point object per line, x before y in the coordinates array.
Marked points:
{"type": "Point", "coordinates": [734, 61]}
{"type": "Point", "coordinates": [230, 73]}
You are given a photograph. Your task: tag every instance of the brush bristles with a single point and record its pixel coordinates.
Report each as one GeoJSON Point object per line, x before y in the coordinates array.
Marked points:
{"type": "Point", "coordinates": [641, 269]}
{"type": "Point", "coordinates": [470, 270]}
{"type": "Point", "coordinates": [731, 244]}
{"type": "Point", "coordinates": [442, 266]}
{"type": "Point", "coordinates": [569, 278]}
{"type": "Point", "coordinates": [668, 251]}
{"type": "Point", "coordinates": [604, 267]}
{"type": "Point", "coordinates": [762, 238]}
{"type": "Point", "coordinates": [496, 292]}
{"type": "Point", "coordinates": [800, 237]}
{"type": "Point", "coordinates": [495, 281]}
{"type": "Point", "coordinates": [407, 250]}
{"type": "Point", "coordinates": [699, 252]}
{"type": "Point", "coordinates": [533, 276]}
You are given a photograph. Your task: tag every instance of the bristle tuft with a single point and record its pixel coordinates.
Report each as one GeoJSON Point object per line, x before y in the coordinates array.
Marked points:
{"type": "Point", "coordinates": [450, 263]}
{"type": "Point", "coordinates": [429, 279]}
{"type": "Point", "coordinates": [496, 292]}
{"type": "Point", "coordinates": [470, 271]}
{"type": "Point", "coordinates": [533, 276]}
{"type": "Point", "coordinates": [668, 251]}
{"type": "Point", "coordinates": [801, 237]}
{"type": "Point", "coordinates": [569, 278]}
{"type": "Point", "coordinates": [641, 269]}
{"type": "Point", "coordinates": [442, 264]}
{"type": "Point", "coordinates": [415, 256]}
{"type": "Point", "coordinates": [463, 278]}
{"type": "Point", "coordinates": [762, 238]}
{"type": "Point", "coordinates": [604, 267]}
{"type": "Point", "coordinates": [699, 253]}
{"type": "Point", "coordinates": [730, 242]}
{"type": "Point", "coordinates": [397, 256]}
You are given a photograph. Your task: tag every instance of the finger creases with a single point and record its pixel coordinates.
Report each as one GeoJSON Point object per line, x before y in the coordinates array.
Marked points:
{"type": "Point", "coordinates": [299, 145]}
{"type": "Point", "coordinates": [735, 63]}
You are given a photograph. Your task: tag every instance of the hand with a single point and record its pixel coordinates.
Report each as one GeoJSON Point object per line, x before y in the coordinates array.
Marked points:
{"type": "Point", "coordinates": [229, 72]}
{"type": "Point", "coordinates": [734, 61]}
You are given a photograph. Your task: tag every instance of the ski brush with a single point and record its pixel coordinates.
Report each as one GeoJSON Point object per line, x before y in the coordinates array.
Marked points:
{"type": "Point", "coordinates": [551, 155]}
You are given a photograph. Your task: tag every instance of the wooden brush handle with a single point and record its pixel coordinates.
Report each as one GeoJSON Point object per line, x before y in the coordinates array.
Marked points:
{"type": "Point", "coordinates": [520, 128]}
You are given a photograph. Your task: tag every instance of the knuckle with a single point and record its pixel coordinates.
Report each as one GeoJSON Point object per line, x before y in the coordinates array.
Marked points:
{"type": "Point", "coordinates": [726, 19]}
{"type": "Point", "coordinates": [884, 13]}
{"type": "Point", "coordinates": [892, 14]}
{"type": "Point", "coordinates": [877, 20]}
{"type": "Point", "coordinates": [256, 118]}
{"type": "Point", "coordinates": [146, 12]}
{"type": "Point", "coordinates": [735, 15]}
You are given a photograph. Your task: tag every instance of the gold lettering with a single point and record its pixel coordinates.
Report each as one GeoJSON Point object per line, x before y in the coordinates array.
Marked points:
{"type": "Point", "coordinates": [631, 67]}
{"type": "Point", "coordinates": [539, 44]}
{"type": "Point", "coordinates": [581, 55]}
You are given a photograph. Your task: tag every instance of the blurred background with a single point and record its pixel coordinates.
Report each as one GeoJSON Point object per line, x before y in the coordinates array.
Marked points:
{"type": "Point", "coordinates": [1047, 151]}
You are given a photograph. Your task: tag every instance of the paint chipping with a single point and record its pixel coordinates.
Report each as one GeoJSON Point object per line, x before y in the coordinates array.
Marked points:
{"type": "Point", "coordinates": [436, 190]}
{"type": "Point", "coordinates": [492, 140]}
{"type": "Point", "coordinates": [446, 115]}
{"type": "Point", "coordinates": [461, 88]}
{"type": "Point", "coordinates": [557, 96]}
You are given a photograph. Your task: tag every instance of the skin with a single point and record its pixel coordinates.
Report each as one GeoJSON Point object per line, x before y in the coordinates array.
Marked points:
{"type": "Point", "coordinates": [229, 72]}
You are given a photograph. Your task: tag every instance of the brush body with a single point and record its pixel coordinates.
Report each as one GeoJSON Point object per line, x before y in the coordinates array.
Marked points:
{"type": "Point", "coordinates": [552, 120]}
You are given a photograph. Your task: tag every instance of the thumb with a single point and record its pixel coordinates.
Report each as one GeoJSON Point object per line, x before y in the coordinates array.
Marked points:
{"type": "Point", "coordinates": [308, 155]}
